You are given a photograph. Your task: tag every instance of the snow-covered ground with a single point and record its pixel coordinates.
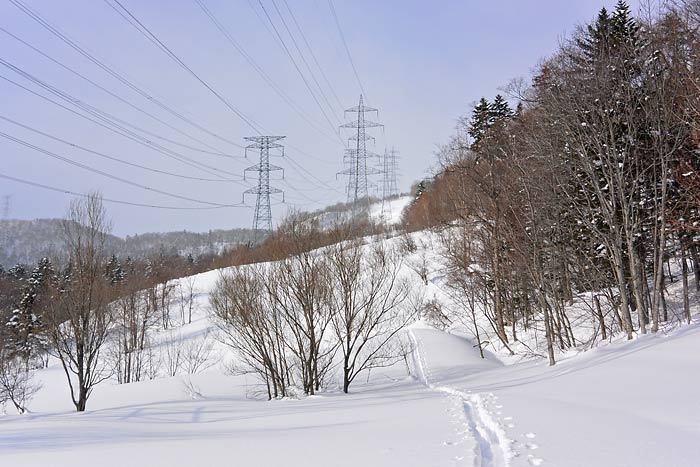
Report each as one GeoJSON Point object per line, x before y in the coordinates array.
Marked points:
{"type": "Point", "coordinates": [392, 210]}
{"type": "Point", "coordinates": [621, 404]}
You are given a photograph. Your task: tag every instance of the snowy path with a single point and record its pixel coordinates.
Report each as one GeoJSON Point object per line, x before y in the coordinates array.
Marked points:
{"type": "Point", "coordinates": [490, 446]}
{"type": "Point", "coordinates": [611, 407]}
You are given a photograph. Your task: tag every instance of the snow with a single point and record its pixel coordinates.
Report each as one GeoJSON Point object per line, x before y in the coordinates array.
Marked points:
{"type": "Point", "coordinates": [618, 404]}
{"type": "Point", "coordinates": [624, 404]}
{"type": "Point", "coordinates": [393, 210]}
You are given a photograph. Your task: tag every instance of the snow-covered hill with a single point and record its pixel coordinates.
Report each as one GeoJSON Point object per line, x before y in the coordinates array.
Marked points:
{"type": "Point", "coordinates": [622, 404]}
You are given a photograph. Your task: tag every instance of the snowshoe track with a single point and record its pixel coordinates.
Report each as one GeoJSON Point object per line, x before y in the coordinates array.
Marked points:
{"type": "Point", "coordinates": [491, 446]}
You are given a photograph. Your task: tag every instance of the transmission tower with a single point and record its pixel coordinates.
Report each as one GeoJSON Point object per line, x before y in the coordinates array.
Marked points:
{"type": "Point", "coordinates": [356, 156]}
{"type": "Point", "coordinates": [6, 206]}
{"type": "Point", "coordinates": [262, 220]}
{"type": "Point", "coordinates": [389, 171]}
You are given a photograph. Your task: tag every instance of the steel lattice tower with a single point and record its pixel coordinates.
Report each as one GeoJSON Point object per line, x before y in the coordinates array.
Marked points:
{"type": "Point", "coordinates": [357, 154]}
{"type": "Point", "coordinates": [262, 220]}
{"type": "Point", "coordinates": [389, 180]}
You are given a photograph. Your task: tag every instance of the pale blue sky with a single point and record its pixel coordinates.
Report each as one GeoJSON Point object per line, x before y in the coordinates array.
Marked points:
{"type": "Point", "coordinates": [422, 63]}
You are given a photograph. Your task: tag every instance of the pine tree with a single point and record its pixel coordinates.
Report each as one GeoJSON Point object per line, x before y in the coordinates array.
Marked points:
{"type": "Point", "coordinates": [26, 320]}
{"type": "Point", "coordinates": [499, 110]}
{"type": "Point", "coordinates": [17, 272]}
{"type": "Point", "coordinates": [481, 121]}
{"type": "Point", "coordinates": [114, 271]}
{"type": "Point", "coordinates": [420, 189]}
{"type": "Point", "coordinates": [623, 27]}
{"type": "Point", "coordinates": [595, 43]}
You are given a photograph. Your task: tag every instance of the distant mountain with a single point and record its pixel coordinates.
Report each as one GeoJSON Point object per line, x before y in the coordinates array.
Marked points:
{"type": "Point", "coordinates": [26, 242]}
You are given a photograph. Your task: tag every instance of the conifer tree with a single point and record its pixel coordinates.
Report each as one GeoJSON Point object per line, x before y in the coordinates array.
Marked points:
{"type": "Point", "coordinates": [26, 320]}
{"type": "Point", "coordinates": [499, 110]}
{"type": "Point", "coordinates": [114, 271]}
{"type": "Point", "coordinates": [481, 121]}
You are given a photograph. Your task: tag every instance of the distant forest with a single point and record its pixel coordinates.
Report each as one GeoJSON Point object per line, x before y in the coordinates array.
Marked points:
{"type": "Point", "coordinates": [26, 242]}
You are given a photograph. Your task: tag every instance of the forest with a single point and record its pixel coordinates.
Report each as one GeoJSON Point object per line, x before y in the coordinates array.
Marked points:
{"type": "Point", "coordinates": [589, 184]}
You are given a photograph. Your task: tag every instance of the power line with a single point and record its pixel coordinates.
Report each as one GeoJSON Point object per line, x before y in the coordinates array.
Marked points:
{"type": "Point", "coordinates": [301, 171]}
{"type": "Point", "coordinates": [104, 174]}
{"type": "Point", "coordinates": [122, 131]}
{"type": "Point", "coordinates": [296, 66]}
{"type": "Point", "coordinates": [116, 201]}
{"type": "Point", "coordinates": [164, 48]}
{"type": "Point", "coordinates": [125, 132]}
{"type": "Point", "coordinates": [214, 151]}
{"type": "Point", "coordinates": [102, 115]}
{"type": "Point", "coordinates": [303, 59]}
{"type": "Point", "coordinates": [313, 56]}
{"type": "Point", "coordinates": [251, 61]}
{"type": "Point", "coordinates": [347, 49]}
{"type": "Point", "coordinates": [134, 21]}
{"type": "Point", "coordinates": [112, 72]}
{"type": "Point", "coordinates": [106, 156]}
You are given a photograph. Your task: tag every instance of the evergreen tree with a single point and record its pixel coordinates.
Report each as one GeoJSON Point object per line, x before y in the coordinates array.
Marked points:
{"type": "Point", "coordinates": [420, 189]}
{"type": "Point", "coordinates": [26, 320]}
{"type": "Point", "coordinates": [481, 121]}
{"type": "Point", "coordinates": [623, 27]}
{"type": "Point", "coordinates": [595, 43]}
{"type": "Point", "coordinates": [499, 110]}
{"type": "Point", "coordinates": [114, 271]}
{"type": "Point", "coordinates": [17, 272]}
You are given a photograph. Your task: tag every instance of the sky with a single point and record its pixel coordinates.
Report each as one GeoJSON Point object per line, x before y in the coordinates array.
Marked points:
{"type": "Point", "coordinates": [422, 64]}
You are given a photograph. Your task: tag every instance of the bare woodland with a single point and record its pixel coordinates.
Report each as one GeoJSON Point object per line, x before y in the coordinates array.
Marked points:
{"type": "Point", "coordinates": [589, 186]}
{"type": "Point", "coordinates": [287, 321]}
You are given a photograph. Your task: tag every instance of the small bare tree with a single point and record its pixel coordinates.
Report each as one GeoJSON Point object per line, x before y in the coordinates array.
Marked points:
{"type": "Point", "coordinates": [186, 291]}
{"type": "Point", "coordinates": [299, 287]}
{"type": "Point", "coordinates": [80, 318]}
{"type": "Point", "coordinates": [16, 382]}
{"type": "Point", "coordinates": [251, 324]}
{"type": "Point", "coordinates": [198, 354]}
{"type": "Point", "coordinates": [368, 305]}
{"type": "Point", "coordinates": [134, 319]}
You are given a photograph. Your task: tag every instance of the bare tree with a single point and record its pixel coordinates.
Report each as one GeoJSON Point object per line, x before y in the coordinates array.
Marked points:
{"type": "Point", "coordinates": [186, 290]}
{"type": "Point", "coordinates": [80, 318]}
{"type": "Point", "coordinates": [368, 301]}
{"type": "Point", "coordinates": [16, 381]}
{"type": "Point", "coordinates": [134, 317]}
{"type": "Point", "coordinates": [198, 354]}
{"type": "Point", "coordinates": [299, 287]}
{"type": "Point", "coordinates": [252, 325]}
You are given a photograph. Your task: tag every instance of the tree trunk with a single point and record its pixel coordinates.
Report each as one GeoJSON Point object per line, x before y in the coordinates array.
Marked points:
{"type": "Point", "coordinates": [601, 318]}
{"type": "Point", "coordinates": [686, 303]}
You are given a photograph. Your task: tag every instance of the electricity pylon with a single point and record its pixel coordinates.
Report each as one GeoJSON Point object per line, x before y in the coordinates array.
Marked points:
{"type": "Point", "coordinates": [356, 155]}
{"type": "Point", "coordinates": [262, 220]}
{"type": "Point", "coordinates": [389, 180]}
{"type": "Point", "coordinates": [6, 206]}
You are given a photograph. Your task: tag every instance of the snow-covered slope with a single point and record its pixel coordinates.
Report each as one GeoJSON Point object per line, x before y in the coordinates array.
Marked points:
{"type": "Point", "coordinates": [623, 404]}
{"type": "Point", "coordinates": [627, 404]}
{"type": "Point", "coordinates": [391, 211]}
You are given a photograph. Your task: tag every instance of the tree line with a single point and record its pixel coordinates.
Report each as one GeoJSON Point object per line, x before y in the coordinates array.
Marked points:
{"type": "Point", "coordinates": [590, 185]}
{"type": "Point", "coordinates": [96, 314]}
{"type": "Point", "coordinates": [293, 321]}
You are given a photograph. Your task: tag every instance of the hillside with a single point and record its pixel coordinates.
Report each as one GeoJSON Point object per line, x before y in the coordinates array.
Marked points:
{"type": "Point", "coordinates": [443, 406]}
{"type": "Point", "coordinates": [26, 242]}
